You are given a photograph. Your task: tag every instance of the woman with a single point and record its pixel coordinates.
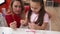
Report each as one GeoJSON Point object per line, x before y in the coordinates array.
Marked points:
{"type": "Point", "coordinates": [14, 14]}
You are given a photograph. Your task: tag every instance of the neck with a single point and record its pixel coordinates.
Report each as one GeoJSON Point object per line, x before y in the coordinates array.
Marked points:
{"type": "Point", "coordinates": [17, 15]}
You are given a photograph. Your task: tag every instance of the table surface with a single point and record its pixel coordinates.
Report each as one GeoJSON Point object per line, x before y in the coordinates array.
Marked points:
{"type": "Point", "coordinates": [7, 30]}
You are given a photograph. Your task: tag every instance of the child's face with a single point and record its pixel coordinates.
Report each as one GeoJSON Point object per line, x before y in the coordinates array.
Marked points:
{"type": "Point", "coordinates": [35, 6]}
{"type": "Point", "coordinates": [16, 7]}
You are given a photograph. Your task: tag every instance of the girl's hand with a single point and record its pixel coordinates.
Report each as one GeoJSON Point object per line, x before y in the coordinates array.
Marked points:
{"type": "Point", "coordinates": [34, 26]}
{"type": "Point", "coordinates": [13, 25]}
{"type": "Point", "coordinates": [31, 25]}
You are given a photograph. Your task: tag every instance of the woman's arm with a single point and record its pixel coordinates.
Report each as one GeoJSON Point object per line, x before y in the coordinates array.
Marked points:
{"type": "Point", "coordinates": [25, 21]}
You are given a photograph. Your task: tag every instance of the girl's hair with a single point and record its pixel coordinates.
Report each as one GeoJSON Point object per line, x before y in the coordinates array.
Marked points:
{"type": "Point", "coordinates": [41, 13]}
{"type": "Point", "coordinates": [22, 7]}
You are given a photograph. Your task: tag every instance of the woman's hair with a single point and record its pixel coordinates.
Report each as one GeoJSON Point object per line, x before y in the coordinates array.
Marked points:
{"type": "Point", "coordinates": [22, 7]}
{"type": "Point", "coordinates": [11, 4]}
{"type": "Point", "coordinates": [41, 13]}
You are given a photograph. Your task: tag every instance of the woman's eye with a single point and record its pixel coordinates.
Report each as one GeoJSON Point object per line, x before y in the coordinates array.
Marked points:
{"type": "Point", "coordinates": [16, 6]}
{"type": "Point", "coordinates": [19, 6]}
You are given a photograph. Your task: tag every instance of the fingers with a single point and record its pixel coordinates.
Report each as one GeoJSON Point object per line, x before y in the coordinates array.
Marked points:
{"type": "Point", "coordinates": [34, 26]}
{"type": "Point", "coordinates": [31, 26]}
{"type": "Point", "coordinates": [13, 25]}
{"type": "Point", "coordinates": [22, 22]}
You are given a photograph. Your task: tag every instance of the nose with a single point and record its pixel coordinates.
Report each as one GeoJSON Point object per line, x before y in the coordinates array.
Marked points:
{"type": "Point", "coordinates": [18, 8]}
{"type": "Point", "coordinates": [32, 9]}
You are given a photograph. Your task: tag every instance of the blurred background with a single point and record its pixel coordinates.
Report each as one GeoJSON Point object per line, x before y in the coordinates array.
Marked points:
{"type": "Point", "coordinates": [51, 6]}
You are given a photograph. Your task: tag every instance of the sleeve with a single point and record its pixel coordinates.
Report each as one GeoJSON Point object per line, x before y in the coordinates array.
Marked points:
{"type": "Point", "coordinates": [26, 8]}
{"type": "Point", "coordinates": [46, 18]}
{"type": "Point", "coordinates": [8, 19]}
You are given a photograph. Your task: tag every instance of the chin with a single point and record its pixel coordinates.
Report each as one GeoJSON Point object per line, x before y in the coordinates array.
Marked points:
{"type": "Point", "coordinates": [17, 13]}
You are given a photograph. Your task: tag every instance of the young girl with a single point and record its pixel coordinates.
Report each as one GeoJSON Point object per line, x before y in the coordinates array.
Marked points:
{"type": "Point", "coordinates": [36, 18]}
{"type": "Point", "coordinates": [14, 14]}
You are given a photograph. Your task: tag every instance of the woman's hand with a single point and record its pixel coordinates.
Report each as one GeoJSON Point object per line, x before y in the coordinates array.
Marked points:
{"type": "Point", "coordinates": [23, 22]}
{"type": "Point", "coordinates": [13, 25]}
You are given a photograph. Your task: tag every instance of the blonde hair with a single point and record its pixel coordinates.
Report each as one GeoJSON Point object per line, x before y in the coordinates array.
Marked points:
{"type": "Point", "coordinates": [22, 6]}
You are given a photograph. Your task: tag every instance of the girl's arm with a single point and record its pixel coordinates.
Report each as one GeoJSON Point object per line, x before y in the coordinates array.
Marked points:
{"type": "Point", "coordinates": [43, 27]}
{"type": "Point", "coordinates": [37, 27]}
{"type": "Point", "coordinates": [45, 22]}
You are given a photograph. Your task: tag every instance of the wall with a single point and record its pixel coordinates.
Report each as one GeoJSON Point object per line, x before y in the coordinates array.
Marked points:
{"type": "Point", "coordinates": [5, 5]}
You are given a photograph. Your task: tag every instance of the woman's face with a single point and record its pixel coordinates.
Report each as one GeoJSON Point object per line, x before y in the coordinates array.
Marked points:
{"type": "Point", "coordinates": [35, 6]}
{"type": "Point", "coordinates": [16, 7]}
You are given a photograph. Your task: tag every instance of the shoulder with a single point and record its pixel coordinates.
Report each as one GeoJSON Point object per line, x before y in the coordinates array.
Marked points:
{"type": "Point", "coordinates": [46, 14]}
{"type": "Point", "coordinates": [8, 15]}
{"type": "Point", "coordinates": [46, 17]}
{"type": "Point", "coordinates": [26, 8]}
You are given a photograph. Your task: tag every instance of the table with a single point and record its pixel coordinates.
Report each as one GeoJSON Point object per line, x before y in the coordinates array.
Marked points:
{"type": "Point", "coordinates": [7, 30]}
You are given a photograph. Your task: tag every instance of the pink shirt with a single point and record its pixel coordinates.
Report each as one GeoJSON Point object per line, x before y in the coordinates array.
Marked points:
{"type": "Point", "coordinates": [34, 17]}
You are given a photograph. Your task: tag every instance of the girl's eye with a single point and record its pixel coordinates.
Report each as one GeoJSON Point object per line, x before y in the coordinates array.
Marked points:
{"type": "Point", "coordinates": [34, 8]}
